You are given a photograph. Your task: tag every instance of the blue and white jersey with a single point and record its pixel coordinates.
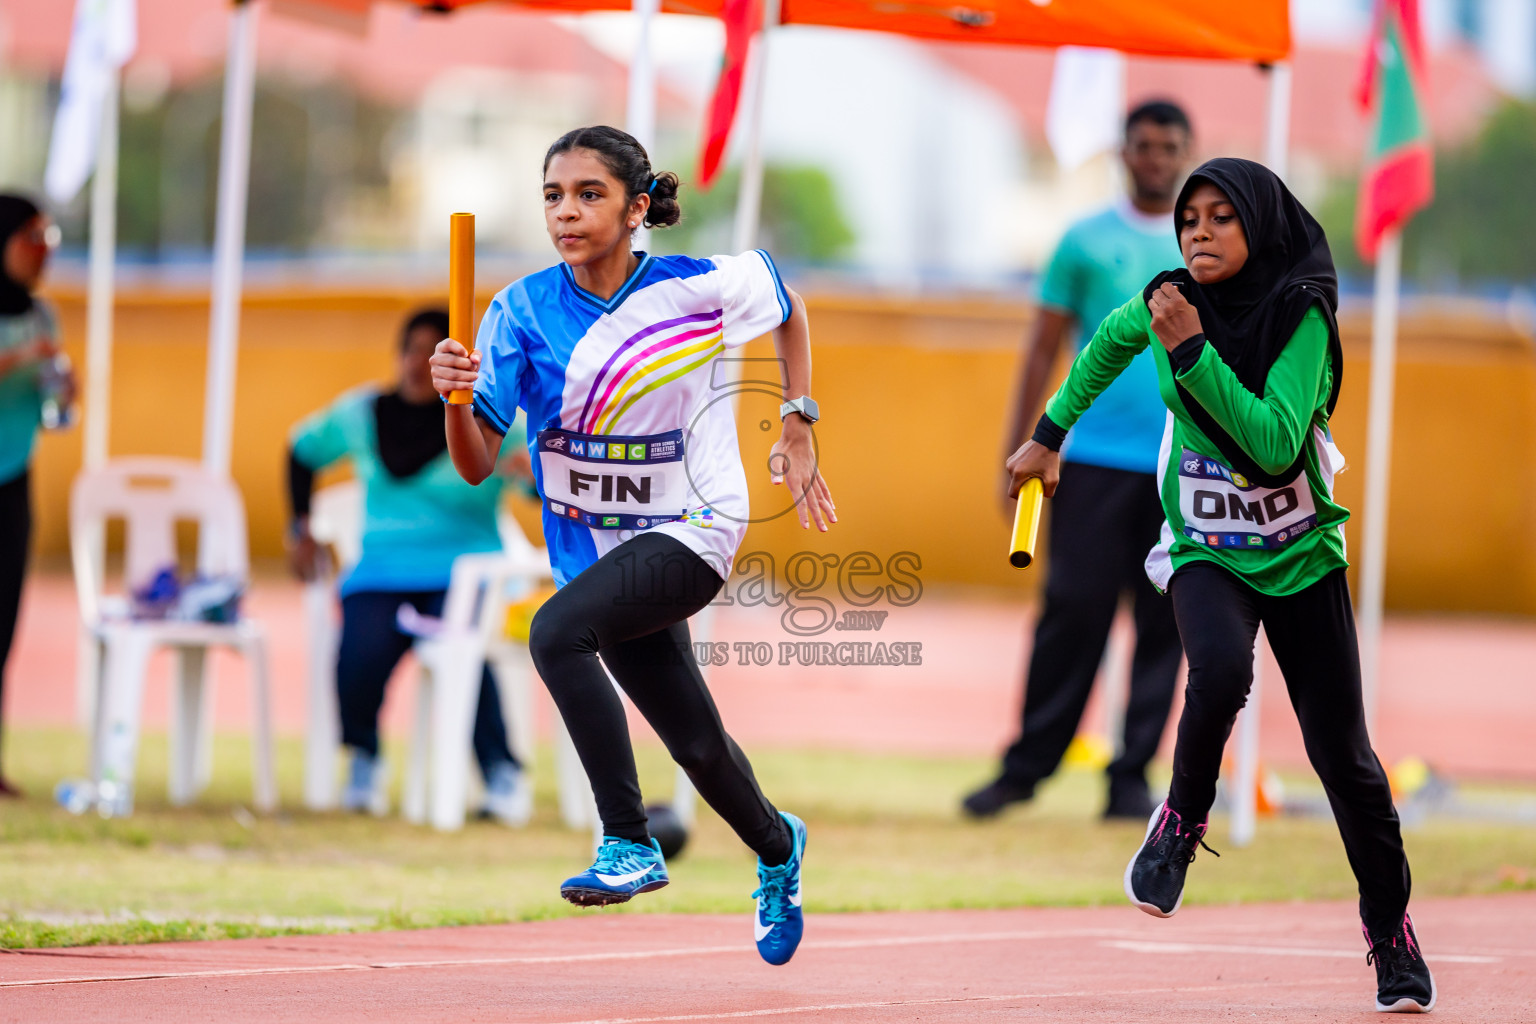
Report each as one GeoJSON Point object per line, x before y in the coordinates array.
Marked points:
{"type": "Point", "coordinates": [631, 423]}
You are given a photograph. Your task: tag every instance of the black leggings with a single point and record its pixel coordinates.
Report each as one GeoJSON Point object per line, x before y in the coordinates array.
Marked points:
{"type": "Point", "coordinates": [632, 607]}
{"type": "Point", "coordinates": [15, 535]}
{"type": "Point", "coordinates": [1312, 634]}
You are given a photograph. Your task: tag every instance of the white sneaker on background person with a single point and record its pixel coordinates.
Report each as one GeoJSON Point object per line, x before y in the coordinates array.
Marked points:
{"type": "Point", "coordinates": [367, 785]}
{"type": "Point", "coordinates": [508, 795]}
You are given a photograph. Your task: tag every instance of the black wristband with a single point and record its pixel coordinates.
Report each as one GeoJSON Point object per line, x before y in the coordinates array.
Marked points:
{"type": "Point", "coordinates": [1187, 353]}
{"type": "Point", "coordinates": [301, 486]}
{"type": "Point", "coordinates": [1049, 434]}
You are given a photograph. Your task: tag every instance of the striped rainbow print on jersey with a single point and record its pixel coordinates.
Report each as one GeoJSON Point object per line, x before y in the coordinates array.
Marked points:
{"type": "Point", "coordinates": [672, 349]}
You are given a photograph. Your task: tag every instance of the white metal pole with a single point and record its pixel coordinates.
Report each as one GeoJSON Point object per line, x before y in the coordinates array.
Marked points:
{"type": "Point", "coordinates": [749, 199]}
{"type": "Point", "coordinates": [229, 238]}
{"type": "Point", "coordinates": [99, 304]}
{"type": "Point", "coordinates": [641, 114]}
{"type": "Point", "coordinates": [1245, 783]}
{"type": "Point", "coordinates": [1378, 463]}
{"type": "Point", "coordinates": [1277, 121]}
{"type": "Point", "coordinates": [100, 296]}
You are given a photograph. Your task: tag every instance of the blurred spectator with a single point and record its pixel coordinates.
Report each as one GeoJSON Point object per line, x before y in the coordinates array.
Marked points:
{"type": "Point", "coordinates": [418, 516]}
{"type": "Point", "coordinates": [1106, 514]}
{"type": "Point", "coordinates": [31, 371]}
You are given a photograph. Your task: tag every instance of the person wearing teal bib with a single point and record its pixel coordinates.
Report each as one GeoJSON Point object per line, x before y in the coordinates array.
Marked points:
{"type": "Point", "coordinates": [418, 516]}
{"type": "Point", "coordinates": [1106, 513]}
{"type": "Point", "coordinates": [29, 334]}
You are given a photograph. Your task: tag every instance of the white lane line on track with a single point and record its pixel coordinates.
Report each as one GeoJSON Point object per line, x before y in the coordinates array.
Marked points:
{"type": "Point", "coordinates": [1110, 937]}
{"type": "Point", "coordinates": [569, 958]}
{"type": "Point", "coordinates": [785, 1011]}
{"type": "Point", "coordinates": [1139, 946]}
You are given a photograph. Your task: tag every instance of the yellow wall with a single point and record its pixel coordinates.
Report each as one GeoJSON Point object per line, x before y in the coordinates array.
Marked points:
{"type": "Point", "coordinates": [913, 396]}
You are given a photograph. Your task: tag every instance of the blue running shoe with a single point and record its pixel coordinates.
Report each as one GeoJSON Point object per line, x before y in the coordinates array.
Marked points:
{"type": "Point", "coordinates": [622, 869]}
{"type": "Point", "coordinates": [778, 922]}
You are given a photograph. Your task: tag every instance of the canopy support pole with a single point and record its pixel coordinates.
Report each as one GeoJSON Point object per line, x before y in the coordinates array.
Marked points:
{"type": "Point", "coordinates": [1378, 464]}
{"type": "Point", "coordinates": [1277, 120]}
{"type": "Point", "coordinates": [749, 198]}
{"type": "Point", "coordinates": [229, 239]}
{"type": "Point", "coordinates": [640, 115]}
{"type": "Point", "coordinates": [100, 295]}
{"type": "Point", "coordinates": [1245, 783]}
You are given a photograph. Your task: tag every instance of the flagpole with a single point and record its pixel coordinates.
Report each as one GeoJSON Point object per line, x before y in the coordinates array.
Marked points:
{"type": "Point", "coordinates": [1378, 458]}
{"type": "Point", "coordinates": [749, 198]}
{"type": "Point", "coordinates": [96, 413]}
{"type": "Point", "coordinates": [229, 238]}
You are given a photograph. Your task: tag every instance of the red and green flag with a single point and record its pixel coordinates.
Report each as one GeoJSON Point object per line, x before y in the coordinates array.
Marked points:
{"type": "Point", "coordinates": [1398, 179]}
{"type": "Point", "coordinates": [742, 17]}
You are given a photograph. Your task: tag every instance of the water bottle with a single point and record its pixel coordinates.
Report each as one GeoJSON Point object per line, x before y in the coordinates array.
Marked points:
{"type": "Point", "coordinates": [52, 381]}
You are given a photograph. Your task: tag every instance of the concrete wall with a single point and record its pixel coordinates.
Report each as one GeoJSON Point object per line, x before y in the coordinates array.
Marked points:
{"type": "Point", "coordinates": [913, 396]}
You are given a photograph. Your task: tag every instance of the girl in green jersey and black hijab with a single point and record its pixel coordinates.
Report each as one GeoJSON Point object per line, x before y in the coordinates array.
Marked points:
{"type": "Point", "coordinates": [1249, 365]}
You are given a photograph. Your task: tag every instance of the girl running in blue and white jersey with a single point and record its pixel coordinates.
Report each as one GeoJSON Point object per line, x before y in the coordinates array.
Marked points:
{"type": "Point", "coordinates": [612, 354]}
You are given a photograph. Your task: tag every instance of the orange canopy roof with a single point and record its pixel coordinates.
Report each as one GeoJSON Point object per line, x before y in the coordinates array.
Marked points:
{"type": "Point", "coordinates": [1254, 30]}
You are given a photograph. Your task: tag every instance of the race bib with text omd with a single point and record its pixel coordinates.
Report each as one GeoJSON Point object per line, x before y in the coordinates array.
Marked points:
{"type": "Point", "coordinates": [611, 482]}
{"type": "Point", "coordinates": [1221, 508]}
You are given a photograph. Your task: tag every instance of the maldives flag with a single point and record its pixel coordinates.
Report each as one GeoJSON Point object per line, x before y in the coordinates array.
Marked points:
{"type": "Point", "coordinates": [741, 19]}
{"type": "Point", "coordinates": [1398, 179]}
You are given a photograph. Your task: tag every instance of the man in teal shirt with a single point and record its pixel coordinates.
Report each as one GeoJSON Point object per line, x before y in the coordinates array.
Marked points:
{"type": "Point", "coordinates": [1106, 514]}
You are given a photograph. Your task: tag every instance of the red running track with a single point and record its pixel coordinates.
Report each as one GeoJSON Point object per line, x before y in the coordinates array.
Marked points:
{"type": "Point", "coordinates": [1455, 691]}
{"type": "Point", "coordinates": [1278, 963]}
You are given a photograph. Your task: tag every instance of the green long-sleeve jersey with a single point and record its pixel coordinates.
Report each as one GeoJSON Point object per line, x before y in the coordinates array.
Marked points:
{"type": "Point", "coordinates": [1277, 539]}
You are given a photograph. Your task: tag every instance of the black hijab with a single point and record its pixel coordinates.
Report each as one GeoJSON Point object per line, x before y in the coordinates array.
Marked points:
{"type": "Point", "coordinates": [15, 213]}
{"type": "Point", "coordinates": [1250, 317]}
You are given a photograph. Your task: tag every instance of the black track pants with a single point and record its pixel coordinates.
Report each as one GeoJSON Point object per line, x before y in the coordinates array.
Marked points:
{"type": "Point", "coordinates": [631, 607]}
{"type": "Point", "coordinates": [1103, 523]}
{"type": "Point", "coordinates": [1312, 634]}
{"type": "Point", "coordinates": [15, 536]}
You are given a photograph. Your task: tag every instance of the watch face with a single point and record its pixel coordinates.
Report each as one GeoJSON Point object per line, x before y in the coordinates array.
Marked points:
{"type": "Point", "coordinates": [804, 406]}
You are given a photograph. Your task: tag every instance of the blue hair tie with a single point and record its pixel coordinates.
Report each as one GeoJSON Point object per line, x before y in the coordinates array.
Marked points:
{"type": "Point", "coordinates": [653, 185]}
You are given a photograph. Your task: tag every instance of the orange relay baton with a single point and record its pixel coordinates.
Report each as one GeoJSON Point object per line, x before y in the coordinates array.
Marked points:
{"type": "Point", "coordinates": [461, 289]}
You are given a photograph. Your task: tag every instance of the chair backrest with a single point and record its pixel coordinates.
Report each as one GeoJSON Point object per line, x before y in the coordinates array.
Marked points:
{"type": "Point", "coordinates": [336, 518]}
{"type": "Point", "coordinates": [151, 495]}
{"type": "Point", "coordinates": [514, 541]}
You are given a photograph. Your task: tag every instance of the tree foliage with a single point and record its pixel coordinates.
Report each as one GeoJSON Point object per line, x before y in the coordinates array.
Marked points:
{"type": "Point", "coordinates": [1482, 220]}
{"type": "Point", "coordinates": [802, 221]}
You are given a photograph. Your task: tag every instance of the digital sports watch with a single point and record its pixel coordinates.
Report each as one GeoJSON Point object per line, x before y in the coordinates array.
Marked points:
{"type": "Point", "coordinates": [803, 405]}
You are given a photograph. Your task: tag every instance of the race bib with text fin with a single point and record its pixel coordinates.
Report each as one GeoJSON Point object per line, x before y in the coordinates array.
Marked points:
{"type": "Point", "coordinates": [1221, 508]}
{"type": "Point", "coordinates": [613, 482]}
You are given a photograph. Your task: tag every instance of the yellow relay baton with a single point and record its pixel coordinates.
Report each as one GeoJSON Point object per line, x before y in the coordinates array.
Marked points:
{"type": "Point", "coordinates": [461, 289]}
{"type": "Point", "coordinates": [1026, 523]}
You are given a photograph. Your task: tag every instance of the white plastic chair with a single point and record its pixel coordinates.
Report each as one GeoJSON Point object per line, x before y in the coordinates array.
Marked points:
{"type": "Point", "coordinates": [335, 519]}
{"type": "Point", "coordinates": [150, 496]}
{"type": "Point", "coordinates": [451, 651]}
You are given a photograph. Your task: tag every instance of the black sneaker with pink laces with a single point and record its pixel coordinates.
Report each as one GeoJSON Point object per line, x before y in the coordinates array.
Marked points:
{"type": "Point", "coordinates": [1403, 981]}
{"type": "Point", "coordinates": [1154, 879]}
